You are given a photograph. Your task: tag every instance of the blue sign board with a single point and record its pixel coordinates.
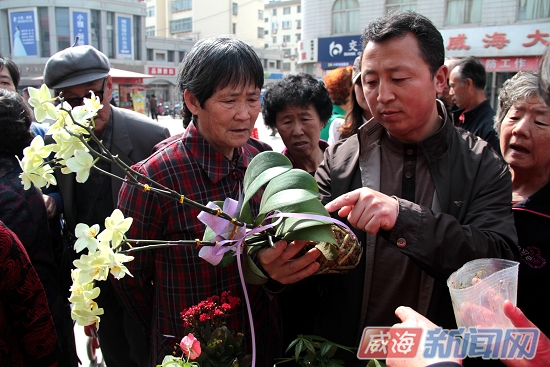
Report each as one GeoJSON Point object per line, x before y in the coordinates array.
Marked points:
{"type": "Point", "coordinates": [80, 27]}
{"type": "Point", "coordinates": [23, 33]}
{"type": "Point", "coordinates": [124, 36]}
{"type": "Point", "coordinates": [334, 52]}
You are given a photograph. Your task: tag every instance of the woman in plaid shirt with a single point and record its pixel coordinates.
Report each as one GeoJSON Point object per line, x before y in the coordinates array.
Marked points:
{"type": "Point", "coordinates": [220, 80]}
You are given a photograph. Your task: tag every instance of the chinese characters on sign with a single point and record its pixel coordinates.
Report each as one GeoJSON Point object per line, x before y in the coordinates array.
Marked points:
{"type": "Point", "coordinates": [501, 41]}
{"type": "Point", "coordinates": [80, 26]}
{"type": "Point", "coordinates": [510, 63]}
{"type": "Point", "coordinates": [124, 36]}
{"type": "Point", "coordinates": [162, 71]}
{"type": "Point", "coordinates": [339, 51]}
{"type": "Point", "coordinates": [487, 343]}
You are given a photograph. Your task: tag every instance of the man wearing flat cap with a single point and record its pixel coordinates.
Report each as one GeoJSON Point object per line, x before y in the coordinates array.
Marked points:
{"type": "Point", "coordinates": [73, 73]}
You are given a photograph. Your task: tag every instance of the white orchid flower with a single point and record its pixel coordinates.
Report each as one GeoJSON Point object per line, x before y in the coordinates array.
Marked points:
{"type": "Point", "coordinates": [41, 100]}
{"type": "Point", "coordinates": [118, 269]}
{"type": "Point", "coordinates": [86, 237]}
{"type": "Point", "coordinates": [39, 175]}
{"type": "Point", "coordinates": [81, 164]}
{"type": "Point", "coordinates": [37, 151]}
{"type": "Point", "coordinates": [115, 227]}
{"type": "Point", "coordinates": [94, 266]}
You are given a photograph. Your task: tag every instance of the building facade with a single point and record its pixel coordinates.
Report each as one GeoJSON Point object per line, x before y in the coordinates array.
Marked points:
{"type": "Point", "coordinates": [283, 31]}
{"type": "Point", "coordinates": [149, 38]}
{"type": "Point", "coordinates": [507, 35]}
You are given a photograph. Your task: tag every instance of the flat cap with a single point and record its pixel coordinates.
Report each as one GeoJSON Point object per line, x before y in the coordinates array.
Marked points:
{"type": "Point", "coordinates": [74, 66]}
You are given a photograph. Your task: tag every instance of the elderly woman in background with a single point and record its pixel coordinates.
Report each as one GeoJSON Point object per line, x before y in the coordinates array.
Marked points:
{"type": "Point", "coordinates": [299, 106]}
{"type": "Point", "coordinates": [523, 125]}
{"type": "Point", "coordinates": [359, 112]}
{"type": "Point", "coordinates": [338, 83]}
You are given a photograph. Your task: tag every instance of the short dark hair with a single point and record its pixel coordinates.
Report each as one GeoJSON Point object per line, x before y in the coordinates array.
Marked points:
{"type": "Point", "coordinates": [296, 90]}
{"type": "Point", "coordinates": [217, 62]}
{"type": "Point", "coordinates": [15, 123]}
{"type": "Point", "coordinates": [471, 67]}
{"type": "Point", "coordinates": [398, 24]}
{"type": "Point", "coordinates": [544, 80]}
{"type": "Point", "coordinates": [12, 69]}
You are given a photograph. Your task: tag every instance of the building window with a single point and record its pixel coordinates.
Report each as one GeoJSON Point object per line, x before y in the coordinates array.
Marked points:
{"type": "Point", "coordinates": [286, 52]}
{"type": "Point", "coordinates": [286, 66]}
{"type": "Point", "coordinates": [274, 12]}
{"type": "Point", "coordinates": [234, 28]}
{"type": "Point", "coordinates": [62, 28]}
{"type": "Point", "coordinates": [137, 37]}
{"type": "Point", "coordinates": [266, 20]}
{"type": "Point", "coordinates": [261, 32]}
{"type": "Point", "coordinates": [265, 63]}
{"type": "Point", "coordinates": [266, 32]}
{"type": "Point", "coordinates": [396, 5]}
{"type": "Point", "coordinates": [95, 30]}
{"type": "Point", "coordinates": [299, 24]}
{"type": "Point", "coordinates": [181, 55]}
{"type": "Point", "coordinates": [170, 56]}
{"type": "Point", "coordinates": [463, 12]}
{"type": "Point", "coordinates": [260, 14]}
{"type": "Point", "coordinates": [298, 37]}
{"type": "Point", "coordinates": [286, 24]}
{"type": "Point", "coordinates": [160, 56]}
{"type": "Point", "coordinates": [299, 9]}
{"type": "Point", "coordinates": [271, 65]}
{"type": "Point", "coordinates": [181, 5]}
{"type": "Point", "coordinates": [533, 9]}
{"type": "Point", "coordinates": [181, 25]}
{"type": "Point", "coordinates": [149, 54]}
{"type": "Point", "coordinates": [44, 29]}
{"type": "Point", "coordinates": [150, 31]}
{"type": "Point", "coordinates": [274, 39]}
{"type": "Point", "coordinates": [345, 16]}
{"type": "Point", "coordinates": [150, 11]}
{"type": "Point", "coordinates": [279, 64]}
{"type": "Point", "coordinates": [286, 38]}
{"type": "Point", "coordinates": [110, 35]}
{"type": "Point", "coordinates": [286, 10]}
{"type": "Point", "coordinates": [235, 9]}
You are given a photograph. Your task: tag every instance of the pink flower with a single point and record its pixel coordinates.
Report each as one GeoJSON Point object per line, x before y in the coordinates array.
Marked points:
{"type": "Point", "coordinates": [190, 346]}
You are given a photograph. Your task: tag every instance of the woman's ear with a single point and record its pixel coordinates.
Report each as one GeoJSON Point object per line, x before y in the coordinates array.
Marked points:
{"type": "Point", "coordinates": [191, 102]}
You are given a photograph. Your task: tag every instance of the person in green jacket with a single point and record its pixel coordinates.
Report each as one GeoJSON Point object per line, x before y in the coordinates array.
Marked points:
{"type": "Point", "coordinates": [338, 83]}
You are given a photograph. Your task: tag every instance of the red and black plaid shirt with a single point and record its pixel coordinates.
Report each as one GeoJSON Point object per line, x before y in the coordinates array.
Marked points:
{"type": "Point", "coordinates": [167, 281]}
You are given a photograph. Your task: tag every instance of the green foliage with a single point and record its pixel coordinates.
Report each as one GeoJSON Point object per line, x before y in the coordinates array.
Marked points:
{"type": "Point", "coordinates": [315, 351]}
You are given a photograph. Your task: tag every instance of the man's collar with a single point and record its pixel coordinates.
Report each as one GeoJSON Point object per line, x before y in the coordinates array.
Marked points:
{"type": "Point", "coordinates": [437, 144]}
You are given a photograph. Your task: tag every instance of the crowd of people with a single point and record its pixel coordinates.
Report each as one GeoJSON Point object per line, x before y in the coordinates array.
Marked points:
{"type": "Point", "coordinates": [417, 163]}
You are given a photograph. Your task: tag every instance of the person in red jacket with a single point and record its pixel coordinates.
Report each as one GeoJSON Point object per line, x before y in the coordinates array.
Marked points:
{"type": "Point", "coordinates": [27, 332]}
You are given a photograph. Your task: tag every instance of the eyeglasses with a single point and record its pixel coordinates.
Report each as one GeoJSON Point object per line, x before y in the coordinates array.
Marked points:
{"type": "Point", "coordinates": [78, 101]}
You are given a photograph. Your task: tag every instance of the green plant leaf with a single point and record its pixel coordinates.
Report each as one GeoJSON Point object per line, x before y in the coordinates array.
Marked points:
{"type": "Point", "coordinates": [320, 233]}
{"type": "Point", "coordinates": [292, 201]}
{"type": "Point", "coordinates": [309, 345]}
{"type": "Point", "coordinates": [293, 179]}
{"type": "Point", "coordinates": [328, 349]}
{"type": "Point", "coordinates": [329, 251]}
{"type": "Point", "coordinates": [252, 274]}
{"type": "Point", "coordinates": [299, 348]}
{"type": "Point", "coordinates": [293, 224]}
{"type": "Point", "coordinates": [262, 168]}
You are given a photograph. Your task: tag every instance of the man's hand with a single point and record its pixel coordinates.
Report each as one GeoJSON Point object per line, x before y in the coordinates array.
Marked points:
{"type": "Point", "coordinates": [411, 318]}
{"type": "Point", "coordinates": [366, 209]}
{"type": "Point", "coordinates": [519, 320]}
{"type": "Point", "coordinates": [50, 205]}
{"type": "Point", "coordinates": [278, 261]}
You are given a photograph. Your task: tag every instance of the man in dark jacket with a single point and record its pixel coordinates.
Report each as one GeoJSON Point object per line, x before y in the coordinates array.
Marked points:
{"type": "Point", "coordinates": [467, 82]}
{"type": "Point", "coordinates": [73, 73]}
{"type": "Point", "coordinates": [423, 197]}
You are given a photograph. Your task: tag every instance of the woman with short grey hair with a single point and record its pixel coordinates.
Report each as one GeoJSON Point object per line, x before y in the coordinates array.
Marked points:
{"type": "Point", "coordinates": [523, 123]}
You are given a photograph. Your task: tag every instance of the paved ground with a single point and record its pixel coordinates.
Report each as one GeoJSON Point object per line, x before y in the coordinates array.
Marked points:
{"type": "Point", "coordinates": [175, 126]}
